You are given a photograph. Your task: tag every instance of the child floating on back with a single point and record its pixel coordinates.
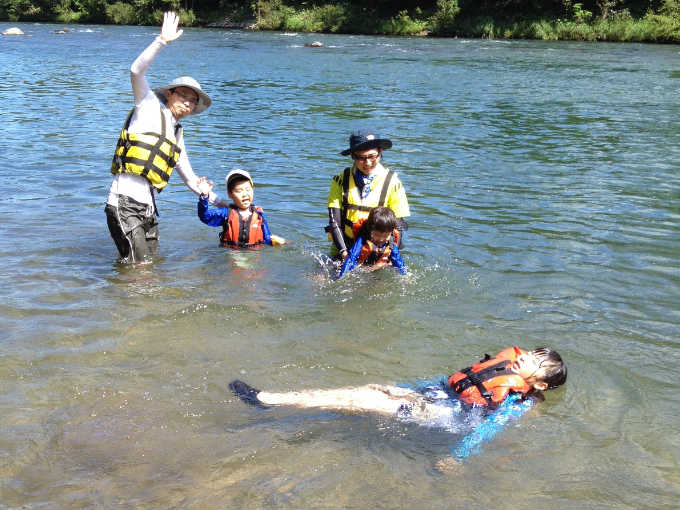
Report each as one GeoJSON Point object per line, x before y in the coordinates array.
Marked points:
{"type": "Point", "coordinates": [243, 224]}
{"type": "Point", "coordinates": [495, 384]}
{"type": "Point", "coordinates": [486, 383]}
{"type": "Point", "coordinates": [376, 243]}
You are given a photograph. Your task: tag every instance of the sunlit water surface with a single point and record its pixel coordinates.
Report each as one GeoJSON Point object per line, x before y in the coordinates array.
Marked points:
{"type": "Point", "coordinates": [543, 183]}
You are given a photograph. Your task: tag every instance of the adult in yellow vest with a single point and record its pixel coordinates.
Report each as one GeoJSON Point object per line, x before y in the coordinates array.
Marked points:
{"type": "Point", "coordinates": [361, 187]}
{"type": "Point", "coordinates": [150, 147]}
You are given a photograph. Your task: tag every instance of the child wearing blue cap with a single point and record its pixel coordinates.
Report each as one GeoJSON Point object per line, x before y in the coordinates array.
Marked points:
{"type": "Point", "coordinates": [244, 225]}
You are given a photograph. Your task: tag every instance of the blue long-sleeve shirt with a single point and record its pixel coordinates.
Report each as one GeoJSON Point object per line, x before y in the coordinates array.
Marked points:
{"type": "Point", "coordinates": [486, 423]}
{"type": "Point", "coordinates": [511, 409]}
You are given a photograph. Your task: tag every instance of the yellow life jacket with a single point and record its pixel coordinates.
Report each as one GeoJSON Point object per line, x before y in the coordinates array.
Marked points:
{"type": "Point", "coordinates": [151, 155]}
{"type": "Point", "coordinates": [353, 211]}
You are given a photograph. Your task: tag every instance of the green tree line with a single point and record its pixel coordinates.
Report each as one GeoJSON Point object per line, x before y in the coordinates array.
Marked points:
{"type": "Point", "coordinates": [613, 20]}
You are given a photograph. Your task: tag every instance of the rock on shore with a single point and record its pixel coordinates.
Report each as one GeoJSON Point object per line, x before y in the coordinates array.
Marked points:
{"type": "Point", "coordinates": [12, 31]}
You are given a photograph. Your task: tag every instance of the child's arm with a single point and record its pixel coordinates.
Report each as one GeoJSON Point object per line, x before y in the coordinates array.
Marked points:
{"type": "Point", "coordinates": [351, 260]}
{"type": "Point", "coordinates": [212, 217]}
{"type": "Point", "coordinates": [397, 261]}
{"type": "Point", "coordinates": [511, 409]}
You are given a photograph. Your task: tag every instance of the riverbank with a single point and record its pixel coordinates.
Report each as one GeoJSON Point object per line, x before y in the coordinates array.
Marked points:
{"type": "Point", "coordinates": [652, 28]}
{"type": "Point", "coordinates": [449, 20]}
{"type": "Point", "coordinates": [444, 18]}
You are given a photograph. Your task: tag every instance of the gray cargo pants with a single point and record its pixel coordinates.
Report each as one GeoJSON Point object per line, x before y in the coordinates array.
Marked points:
{"type": "Point", "coordinates": [134, 229]}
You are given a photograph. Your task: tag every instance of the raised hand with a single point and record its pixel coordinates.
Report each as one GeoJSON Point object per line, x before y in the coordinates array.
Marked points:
{"type": "Point", "coordinates": [204, 186]}
{"type": "Point", "coordinates": [169, 30]}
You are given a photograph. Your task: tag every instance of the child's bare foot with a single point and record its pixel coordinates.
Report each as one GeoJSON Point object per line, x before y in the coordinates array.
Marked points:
{"type": "Point", "coordinates": [246, 393]}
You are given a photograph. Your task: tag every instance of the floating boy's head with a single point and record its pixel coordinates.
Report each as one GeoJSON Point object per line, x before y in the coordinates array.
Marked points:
{"type": "Point", "coordinates": [240, 188]}
{"type": "Point", "coordinates": [542, 368]}
{"type": "Point", "coordinates": [379, 225]}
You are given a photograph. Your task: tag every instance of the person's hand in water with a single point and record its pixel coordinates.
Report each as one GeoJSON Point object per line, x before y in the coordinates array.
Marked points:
{"type": "Point", "coordinates": [278, 240]}
{"type": "Point", "coordinates": [169, 30]}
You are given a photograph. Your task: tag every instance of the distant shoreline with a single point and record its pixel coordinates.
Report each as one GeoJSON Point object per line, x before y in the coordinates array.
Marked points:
{"type": "Point", "coordinates": [329, 19]}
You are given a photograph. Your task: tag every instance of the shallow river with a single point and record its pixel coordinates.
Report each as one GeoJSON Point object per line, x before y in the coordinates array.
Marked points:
{"type": "Point", "coordinates": [545, 211]}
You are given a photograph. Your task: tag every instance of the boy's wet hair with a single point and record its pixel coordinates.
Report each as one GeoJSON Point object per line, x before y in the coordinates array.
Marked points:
{"type": "Point", "coordinates": [381, 219]}
{"type": "Point", "coordinates": [552, 370]}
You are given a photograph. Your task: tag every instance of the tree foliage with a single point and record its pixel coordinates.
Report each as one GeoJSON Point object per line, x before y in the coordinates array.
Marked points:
{"type": "Point", "coordinates": [657, 20]}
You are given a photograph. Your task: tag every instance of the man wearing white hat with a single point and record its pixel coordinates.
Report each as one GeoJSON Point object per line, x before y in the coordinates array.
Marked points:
{"type": "Point", "coordinates": [151, 145]}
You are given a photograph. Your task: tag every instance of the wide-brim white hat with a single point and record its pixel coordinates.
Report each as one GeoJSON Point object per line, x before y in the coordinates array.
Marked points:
{"type": "Point", "coordinates": [204, 100]}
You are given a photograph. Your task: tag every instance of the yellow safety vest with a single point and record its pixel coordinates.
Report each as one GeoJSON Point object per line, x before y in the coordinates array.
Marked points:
{"type": "Point", "coordinates": [352, 212]}
{"type": "Point", "coordinates": [151, 155]}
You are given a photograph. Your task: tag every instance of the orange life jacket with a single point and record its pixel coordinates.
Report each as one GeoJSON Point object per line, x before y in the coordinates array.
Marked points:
{"type": "Point", "coordinates": [242, 233]}
{"type": "Point", "coordinates": [371, 254]}
{"type": "Point", "coordinates": [490, 381]}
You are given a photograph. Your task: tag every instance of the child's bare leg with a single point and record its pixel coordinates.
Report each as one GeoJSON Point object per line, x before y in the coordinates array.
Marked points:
{"type": "Point", "coordinates": [373, 398]}
{"type": "Point", "coordinates": [370, 398]}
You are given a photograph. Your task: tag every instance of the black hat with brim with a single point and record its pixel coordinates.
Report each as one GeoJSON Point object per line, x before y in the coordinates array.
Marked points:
{"type": "Point", "coordinates": [363, 140]}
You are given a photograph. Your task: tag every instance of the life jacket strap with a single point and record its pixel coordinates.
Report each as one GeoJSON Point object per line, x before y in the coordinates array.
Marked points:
{"type": "Point", "coordinates": [244, 227]}
{"type": "Point", "coordinates": [357, 207]}
{"type": "Point", "coordinates": [154, 151]}
{"type": "Point", "coordinates": [344, 207]}
{"type": "Point", "coordinates": [477, 379]}
{"type": "Point", "coordinates": [345, 188]}
{"type": "Point", "coordinates": [385, 189]}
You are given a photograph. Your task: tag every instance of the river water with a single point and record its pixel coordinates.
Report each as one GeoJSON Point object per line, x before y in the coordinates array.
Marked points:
{"type": "Point", "coordinates": [543, 184]}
